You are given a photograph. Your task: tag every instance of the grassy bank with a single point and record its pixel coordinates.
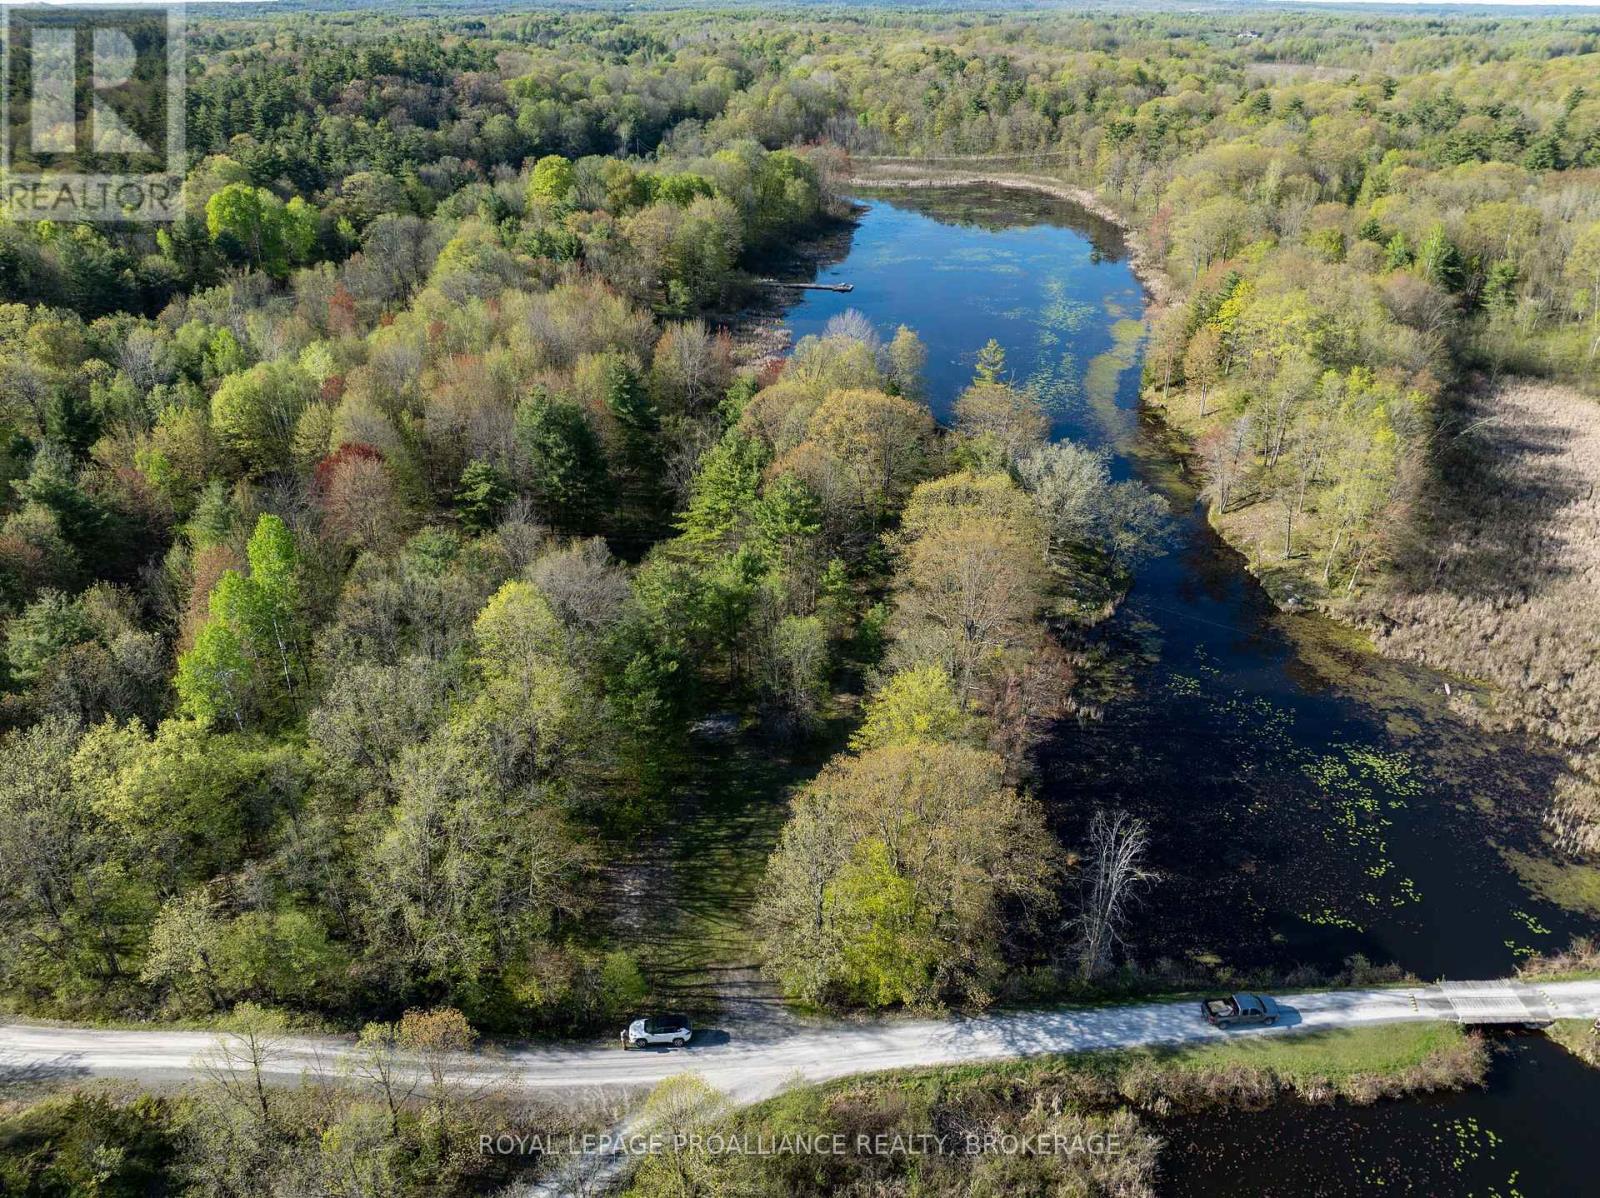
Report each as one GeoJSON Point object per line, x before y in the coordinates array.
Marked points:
{"type": "Point", "coordinates": [967, 1130]}
{"type": "Point", "coordinates": [1579, 1037]}
{"type": "Point", "coordinates": [1357, 1065]}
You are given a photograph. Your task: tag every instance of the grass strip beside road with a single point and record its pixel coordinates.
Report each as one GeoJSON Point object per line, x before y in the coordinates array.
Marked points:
{"type": "Point", "coordinates": [1356, 1063]}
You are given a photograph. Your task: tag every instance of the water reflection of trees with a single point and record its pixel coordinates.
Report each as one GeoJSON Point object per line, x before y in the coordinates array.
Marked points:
{"type": "Point", "coordinates": [981, 207]}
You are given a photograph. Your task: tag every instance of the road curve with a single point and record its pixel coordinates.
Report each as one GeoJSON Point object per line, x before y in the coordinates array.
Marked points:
{"type": "Point", "coordinates": [751, 1068]}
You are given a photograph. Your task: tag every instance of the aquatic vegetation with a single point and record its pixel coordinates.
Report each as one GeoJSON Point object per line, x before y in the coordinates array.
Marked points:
{"type": "Point", "coordinates": [1056, 383]}
{"type": "Point", "coordinates": [1532, 922]}
{"type": "Point", "coordinates": [1569, 884]}
{"type": "Point", "coordinates": [1064, 314]}
{"type": "Point", "coordinates": [1102, 380]}
{"type": "Point", "coordinates": [1183, 684]}
{"type": "Point", "coordinates": [1393, 771]}
{"type": "Point", "coordinates": [1329, 918]}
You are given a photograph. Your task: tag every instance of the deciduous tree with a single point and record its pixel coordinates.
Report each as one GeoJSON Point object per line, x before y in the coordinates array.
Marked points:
{"type": "Point", "coordinates": [889, 882]}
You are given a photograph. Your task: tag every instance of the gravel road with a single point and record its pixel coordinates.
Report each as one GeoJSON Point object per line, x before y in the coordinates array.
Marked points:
{"type": "Point", "coordinates": [749, 1068]}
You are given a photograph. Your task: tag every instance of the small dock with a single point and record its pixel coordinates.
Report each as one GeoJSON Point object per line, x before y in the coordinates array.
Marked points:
{"type": "Point", "coordinates": [809, 286]}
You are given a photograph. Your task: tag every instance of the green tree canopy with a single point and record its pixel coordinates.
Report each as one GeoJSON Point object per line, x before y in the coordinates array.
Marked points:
{"type": "Point", "coordinates": [889, 881]}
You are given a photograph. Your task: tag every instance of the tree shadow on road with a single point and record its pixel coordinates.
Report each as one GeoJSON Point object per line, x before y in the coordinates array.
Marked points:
{"type": "Point", "coordinates": [17, 1074]}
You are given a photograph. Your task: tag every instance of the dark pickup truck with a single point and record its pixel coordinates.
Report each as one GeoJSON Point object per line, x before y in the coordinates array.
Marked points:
{"type": "Point", "coordinates": [1240, 1010]}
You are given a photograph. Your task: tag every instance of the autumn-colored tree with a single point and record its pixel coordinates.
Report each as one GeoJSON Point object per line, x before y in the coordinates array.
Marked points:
{"type": "Point", "coordinates": [1225, 454]}
{"type": "Point", "coordinates": [441, 1038]}
{"type": "Point", "coordinates": [360, 505]}
{"type": "Point", "coordinates": [1169, 340]}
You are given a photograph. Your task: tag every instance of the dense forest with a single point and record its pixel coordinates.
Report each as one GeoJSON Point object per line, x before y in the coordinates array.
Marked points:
{"type": "Point", "coordinates": [372, 538]}
{"type": "Point", "coordinates": [376, 535]}
{"type": "Point", "coordinates": [403, 490]}
{"type": "Point", "coordinates": [434, 323]}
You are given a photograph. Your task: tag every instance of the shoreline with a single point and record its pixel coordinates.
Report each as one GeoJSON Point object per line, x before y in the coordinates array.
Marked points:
{"type": "Point", "coordinates": [756, 322]}
{"type": "Point", "coordinates": [1571, 811]}
{"type": "Point", "coordinates": [1162, 291]}
{"type": "Point", "coordinates": [1150, 276]}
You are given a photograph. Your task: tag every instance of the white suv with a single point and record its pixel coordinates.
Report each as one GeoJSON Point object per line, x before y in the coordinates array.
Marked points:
{"type": "Point", "coordinates": [657, 1029]}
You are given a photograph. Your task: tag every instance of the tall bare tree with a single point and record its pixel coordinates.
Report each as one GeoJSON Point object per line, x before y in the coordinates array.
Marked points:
{"type": "Point", "coordinates": [1113, 876]}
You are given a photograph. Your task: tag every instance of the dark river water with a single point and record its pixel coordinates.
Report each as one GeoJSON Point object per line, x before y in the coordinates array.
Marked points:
{"type": "Point", "coordinates": [1530, 1132]}
{"type": "Point", "coordinates": [1307, 799]}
